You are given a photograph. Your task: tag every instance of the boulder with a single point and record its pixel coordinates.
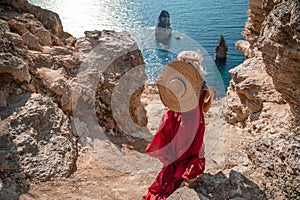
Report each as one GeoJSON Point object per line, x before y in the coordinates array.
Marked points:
{"type": "Point", "coordinates": [112, 71]}
{"type": "Point", "coordinates": [31, 41]}
{"type": "Point", "coordinates": [14, 66]}
{"type": "Point", "coordinates": [249, 88]}
{"type": "Point", "coordinates": [36, 144]}
{"type": "Point", "coordinates": [184, 193]}
{"type": "Point", "coordinates": [235, 186]}
{"type": "Point", "coordinates": [244, 47]}
{"type": "Point", "coordinates": [42, 146]}
{"type": "Point", "coordinates": [54, 80]}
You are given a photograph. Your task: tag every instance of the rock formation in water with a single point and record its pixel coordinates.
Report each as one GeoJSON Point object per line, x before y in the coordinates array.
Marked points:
{"type": "Point", "coordinates": [221, 50]}
{"type": "Point", "coordinates": [163, 28]}
{"type": "Point", "coordinates": [264, 93]}
{"type": "Point", "coordinates": [49, 82]}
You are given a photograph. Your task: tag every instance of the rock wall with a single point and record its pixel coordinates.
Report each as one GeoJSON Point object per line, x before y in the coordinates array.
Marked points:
{"type": "Point", "coordinates": [37, 141]}
{"type": "Point", "coordinates": [48, 18]}
{"type": "Point", "coordinates": [279, 43]}
{"type": "Point", "coordinates": [263, 96]}
{"type": "Point", "coordinates": [48, 86]}
{"type": "Point", "coordinates": [271, 73]}
{"type": "Point", "coordinates": [109, 83]}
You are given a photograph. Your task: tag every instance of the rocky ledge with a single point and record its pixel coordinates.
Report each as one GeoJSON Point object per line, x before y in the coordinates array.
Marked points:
{"type": "Point", "coordinates": [57, 90]}
{"type": "Point", "coordinates": [264, 93]}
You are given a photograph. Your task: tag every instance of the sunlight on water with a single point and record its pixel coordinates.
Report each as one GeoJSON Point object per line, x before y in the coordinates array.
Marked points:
{"type": "Point", "coordinates": [158, 55]}
{"type": "Point", "coordinates": [202, 21]}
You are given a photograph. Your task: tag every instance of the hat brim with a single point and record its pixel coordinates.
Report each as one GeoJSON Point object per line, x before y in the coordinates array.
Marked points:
{"type": "Point", "coordinates": [192, 79]}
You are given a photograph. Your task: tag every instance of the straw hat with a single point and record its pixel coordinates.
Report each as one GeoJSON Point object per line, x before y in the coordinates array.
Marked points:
{"type": "Point", "coordinates": [180, 86]}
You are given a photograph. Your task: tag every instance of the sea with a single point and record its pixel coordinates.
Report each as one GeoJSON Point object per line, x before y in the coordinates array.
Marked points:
{"type": "Point", "coordinates": [197, 25]}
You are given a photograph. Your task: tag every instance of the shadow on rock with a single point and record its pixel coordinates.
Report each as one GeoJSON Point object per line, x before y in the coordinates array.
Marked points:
{"type": "Point", "coordinates": [36, 144]}
{"type": "Point", "coordinates": [12, 182]}
{"type": "Point", "coordinates": [218, 186]}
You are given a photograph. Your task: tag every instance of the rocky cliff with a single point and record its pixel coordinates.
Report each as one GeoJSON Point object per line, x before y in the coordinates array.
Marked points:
{"type": "Point", "coordinates": [56, 90]}
{"type": "Point", "coordinates": [263, 97]}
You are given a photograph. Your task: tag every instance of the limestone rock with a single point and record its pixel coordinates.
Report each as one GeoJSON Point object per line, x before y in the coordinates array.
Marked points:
{"type": "Point", "coordinates": [258, 9]}
{"type": "Point", "coordinates": [9, 166]}
{"type": "Point", "coordinates": [90, 40]}
{"type": "Point", "coordinates": [184, 193]}
{"type": "Point", "coordinates": [36, 139]}
{"type": "Point", "coordinates": [31, 41]}
{"type": "Point", "coordinates": [264, 94]}
{"type": "Point", "coordinates": [249, 88]}
{"type": "Point", "coordinates": [271, 28]}
{"type": "Point", "coordinates": [236, 112]}
{"type": "Point", "coordinates": [17, 26]}
{"type": "Point", "coordinates": [235, 186]}
{"type": "Point", "coordinates": [42, 60]}
{"type": "Point", "coordinates": [16, 39]}
{"type": "Point", "coordinates": [274, 54]}
{"type": "Point", "coordinates": [113, 71]}
{"type": "Point", "coordinates": [41, 144]}
{"type": "Point", "coordinates": [54, 80]}
{"type": "Point", "coordinates": [15, 66]}
{"type": "Point", "coordinates": [4, 90]}
{"type": "Point", "coordinates": [58, 50]}
{"type": "Point", "coordinates": [244, 47]}
{"type": "Point", "coordinates": [36, 143]}
{"type": "Point", "coordinates": [27, 23]}
{"type": "Point", "coordinates": [67, 61]}
{"type": "Point", "coordinates": [38, 29]}
{"type": "Point", "coordinates": [276, 156]}
{"type": "Point", "coordinates": [50, 19]}
{"type": "Point", "coordinates": [4, 27]}
{"type": "Point", "coordinates": [16, 3]}
{"type": "Point", "coordinates": [279, 43]}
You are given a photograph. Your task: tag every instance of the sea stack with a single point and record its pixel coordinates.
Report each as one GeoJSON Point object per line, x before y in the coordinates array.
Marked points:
{"type": "Point", "coordinates": [221, 50]}
{"type": "Point", "coordinates": [163, 28]}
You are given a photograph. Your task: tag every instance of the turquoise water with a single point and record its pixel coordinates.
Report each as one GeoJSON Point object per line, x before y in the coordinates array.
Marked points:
{"type": "Point", "coordinates": [199, 23]}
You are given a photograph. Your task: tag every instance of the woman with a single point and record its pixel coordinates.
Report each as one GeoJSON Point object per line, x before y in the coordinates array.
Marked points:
{"type": "Point", "coordinates": [178, 143]}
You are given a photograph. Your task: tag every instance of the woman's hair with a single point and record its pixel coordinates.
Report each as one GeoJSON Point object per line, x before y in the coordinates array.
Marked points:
{"type": "Point", "coordinates": [208, 99]}
{"type": "Point", "coordinates": [193, 57]}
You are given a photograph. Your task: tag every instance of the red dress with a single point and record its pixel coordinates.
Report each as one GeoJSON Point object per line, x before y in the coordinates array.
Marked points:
{"type": "Point", "coordinates": [178, 144]}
